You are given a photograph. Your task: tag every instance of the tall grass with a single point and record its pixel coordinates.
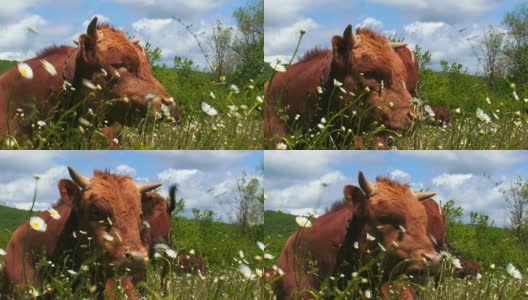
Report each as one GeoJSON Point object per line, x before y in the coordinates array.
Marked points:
{"type": "Point", "coordinates": [237, 125]}
{"type": "Point", "coordinates": [503, 123]}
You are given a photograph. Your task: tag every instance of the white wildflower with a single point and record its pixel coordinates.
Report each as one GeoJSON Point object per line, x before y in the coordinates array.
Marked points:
{"type": "Point", "coordinates": [303, 221]}
{"type": "Point", "coordinates": [48, 67]}
{"type": "Point", "coordinates": [54, 214]}
{"type": "Point", "coordinates": [208, 109]}
{"type": "Point", "coordinates": [25, 70]}
{"type": "Point", "coordinates": [38, 224]}
{"type": "Point", "coordinates": [482, 116]}
{"type": "Point", "coordinates": [513, 271]}
{"type": "Point", "coordinates": [281, 146]}
{"type": "Point", "coordinates": [234, 89]}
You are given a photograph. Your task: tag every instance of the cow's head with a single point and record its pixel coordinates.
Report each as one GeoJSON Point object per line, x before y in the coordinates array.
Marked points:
{"type": "Point", "coordinates": [367, 59]}
{"type": "Point", "coordinates": [127, 71]}
{"type": "Point", "coordinates": [397, 220]}
{"type": "Point", "coordinates": [157, 214]}
{"type": "Point", "coordinates": [109, 210]}
{"type": "Point", "coordinates": [410, 62]}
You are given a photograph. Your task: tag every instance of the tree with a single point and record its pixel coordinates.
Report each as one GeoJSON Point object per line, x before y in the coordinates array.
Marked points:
{"type": "Point", "coordinates": [220, 46]}
{"type": "Point", "coordinates": [249, 42]}
{"type": "Point", "coordinates": [489, 53]}
{"type": "Point", "coordinates": [247, 202]}
{"type": "Point", "coordinates": [516, 45]}
{"type": "Point", "coordinates": [516, 197]}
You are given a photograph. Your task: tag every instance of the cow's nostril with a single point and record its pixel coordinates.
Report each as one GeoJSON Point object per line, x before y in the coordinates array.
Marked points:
{"type": "Point", "coordinates": [427, 257]}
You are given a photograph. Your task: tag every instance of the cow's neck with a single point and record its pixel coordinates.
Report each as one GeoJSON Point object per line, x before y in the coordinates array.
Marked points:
{"type": "Point", "coordinates": [348, 256]}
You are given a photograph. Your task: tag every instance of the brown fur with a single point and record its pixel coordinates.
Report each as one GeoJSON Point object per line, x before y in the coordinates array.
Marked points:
{"type": "Point", "coordinates": [110, 204]}
{"type": "Point", "coordinates": [442, 114]}
{"type": "Point", "coordinates": [114, 53]}
{"type": "Point", "coordinates": [412, 67]}
{"type": "Point", "coordinates": [295, 92]}
{"type": "Point", "coordinates": [329, 241]}
{"type": "Point", "coordinates": [437, 227]}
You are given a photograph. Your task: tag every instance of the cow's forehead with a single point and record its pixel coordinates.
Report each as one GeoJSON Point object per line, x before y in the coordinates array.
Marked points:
{"type": "Point", "coordinates": [117, 193]}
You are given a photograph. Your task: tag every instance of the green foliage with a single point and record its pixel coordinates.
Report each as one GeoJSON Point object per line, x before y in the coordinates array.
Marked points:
{"type": "Point", "coordinates": [516, 48]}
{"type": "Point", "coordinates": [249, 45]}
{"type": "Point", "coordinates": [238, 125]}
{"type": "Point", "coordinates": [6, 64]}
{"type": "Point", "coordinates": [218, 243]}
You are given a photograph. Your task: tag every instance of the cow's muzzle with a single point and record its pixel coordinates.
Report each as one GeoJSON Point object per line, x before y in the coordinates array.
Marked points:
{"type": "Point", "coordinates": [135, 261]}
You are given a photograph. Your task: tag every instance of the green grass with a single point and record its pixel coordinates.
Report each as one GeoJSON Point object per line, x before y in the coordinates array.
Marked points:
{"type": "Point", "coordinates": [491, 245]}
{"type": "Point", "coordinates": [238, 124]}
{"type": "Point", "coordinates": [218, 243]}
{"type": "Point", "coordinates": [462, 93]}
{"type": "Point", "coordinates": [6, 64]}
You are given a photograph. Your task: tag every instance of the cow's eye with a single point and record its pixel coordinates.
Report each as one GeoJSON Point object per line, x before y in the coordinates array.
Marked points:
{"type": "Point", "coordinates": [96, 214]}
{"type": "Point", "coordinates": [370, 76]}
{"type": "Point", "coordinates": [120, 67]}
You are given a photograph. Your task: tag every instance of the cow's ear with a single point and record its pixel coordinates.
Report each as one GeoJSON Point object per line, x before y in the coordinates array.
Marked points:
{"type": "Point", "coordinates": [338, 48]}
{"type": "Point", "coordinates": [172, 197]}
{"type": "Point", "coordinates": [354, 194]}
{"type": "Point", "coordinates": [88, 43]}
{"type": "Point", "coordinates": [69, 191]}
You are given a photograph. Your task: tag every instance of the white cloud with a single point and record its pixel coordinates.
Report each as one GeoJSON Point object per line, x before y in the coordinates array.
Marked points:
{"type": "Point", "coordinates": [476, 162]}
{"type": "Point", "coordinates": [447, 10]}
{"type": "Point", "coordinates": [400, 175]}
{"type": "Point", "coordinates": [19, 192]}
{"type": "Point", "coordinates": [451, 180]}
{"type": "Point", "coordinates": [124, 170]}
{"type": "Point", "coordinates": [372, 23]}
{"type": "Point", "coordinates": [282, 41]}
{"type": "Point", "coordinates": [177, 175]}
{"type": "Point", "coordinates": [473, 193]}
{"type": "Point", "coordinates": [314, 195]}
{"type": "Point", "coordinates": [169, 8]}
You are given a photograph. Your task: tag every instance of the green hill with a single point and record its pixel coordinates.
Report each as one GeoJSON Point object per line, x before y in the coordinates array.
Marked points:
{"type": "Point", "coordinates": [6, 64]}
{"type": "Point", "coordinates": [217, 242]}
{"type": "Point", "coordinates": [488, 245]}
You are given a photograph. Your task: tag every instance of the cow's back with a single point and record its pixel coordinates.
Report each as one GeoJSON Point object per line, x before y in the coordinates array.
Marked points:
{"type": "Point", "coordinates": [436, 222]}
{"type": "Point", "coordinates": [30, 94]}
{"type": "Point", "coordinates": [41, 244]}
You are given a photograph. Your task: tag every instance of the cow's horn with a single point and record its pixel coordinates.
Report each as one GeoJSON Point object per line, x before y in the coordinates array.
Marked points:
{"type": "Point", "coordinates": [135, 41]}
{"type": "Point", "coordinates": [147, 187]}
{"type": "Point", "coordinates": [366, 186]}
{"type": "Point", "coordinates": [81, 180]}
{"type": "Point", "coordinates": [351, 40]}
{"type": "Point", "coordinates": [398, 45]}
{"type": "Point", "coordinates": [92, 27]}
{"type": "Point", "coordinates": [76, 42]}
{"type": "Point", "coordinates": [424, 195]}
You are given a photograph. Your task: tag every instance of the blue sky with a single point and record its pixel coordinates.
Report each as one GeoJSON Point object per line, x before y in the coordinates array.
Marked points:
{"type": "Point", "coordinates": [202, 176]}
{"type": "Point", "coordinates": [293, 179]}
{"type": "Point", "coordinates": [61, 21]}
{"type": "Point", "coordinates": [435, 25]}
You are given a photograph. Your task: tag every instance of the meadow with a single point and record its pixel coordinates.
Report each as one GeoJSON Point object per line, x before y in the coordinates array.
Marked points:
{"type": "Point", "coordinates": [493, 248]}
{"type": "Point", "coordinates": [489, 108]}
{"type": "Point", "coordinates": [222, 246]}
{"type": "Point", "coordinates": [225, 114]}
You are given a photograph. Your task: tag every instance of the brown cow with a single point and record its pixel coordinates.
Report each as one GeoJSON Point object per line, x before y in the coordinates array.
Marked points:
{"type": "Point", "coordinates": [437, 228]}
{"type": "Point", "coordinates": [338, 243]}
{"type": "Point", "coordinates": [116, 66]}
{"type": "Point", "coordinates": [157, 216]}
{"type": "Point", "coordinates": [358, 61]}
{"type": "Point", "coordinates": [157, 227]}
{"type": "Point", "coordinates": [100, 217]}
{"type": "Point", "coordinates": [411, 66]}
{"type": "Point", "coordinates": [442, 114]}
